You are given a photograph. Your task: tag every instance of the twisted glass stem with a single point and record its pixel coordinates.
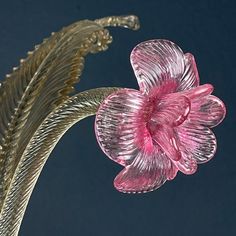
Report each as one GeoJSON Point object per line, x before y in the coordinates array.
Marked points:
{"type": "Point", "coordinates": [38, 150]}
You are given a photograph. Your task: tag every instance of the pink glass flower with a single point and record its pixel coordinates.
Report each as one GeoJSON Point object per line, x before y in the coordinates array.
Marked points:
{"type": "Point", "coordinates": [164, 127]}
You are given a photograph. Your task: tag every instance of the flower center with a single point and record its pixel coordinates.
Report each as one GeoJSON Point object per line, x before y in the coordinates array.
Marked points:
{"type": "Point", "coordinates": [171, 110]}
{"type": "Point", "coordinates": [167, 112]}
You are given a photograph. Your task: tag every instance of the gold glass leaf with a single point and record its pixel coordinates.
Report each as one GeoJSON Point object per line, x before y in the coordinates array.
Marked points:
{"type": "Point", "coordinates": [36, 109]}
{"type": "Point", "coordinates": [43, 80]}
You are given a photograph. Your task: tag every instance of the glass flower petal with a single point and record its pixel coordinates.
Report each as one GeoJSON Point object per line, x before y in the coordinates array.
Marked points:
{"type": "Point", "coordinates": [148, 172]}
{"type": "Point", "coordinates": [198, 92]}
{"type": "Point", "coordinates": [208, 111]}
{"type": "Point", "coordinates": [155, 62]}
{"type": "Point", "coordinates": [187, 164]}
{"type": "Point", "coordinates": [166, 139]}
{"type": "Point", "coordinates": [190, 77]}
{"type": "Point", "coordinates": [196, 141]}
{"type": "Point", "coordinates": [120, 125]}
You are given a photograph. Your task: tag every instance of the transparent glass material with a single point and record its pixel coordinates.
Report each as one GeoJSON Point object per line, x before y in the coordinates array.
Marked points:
{"type": "Point", "coordinates": [153, 132]}
{"type": "Point", "coordinates": [37, 109]}
{"type": "Point", "coordinates": [163, 128]}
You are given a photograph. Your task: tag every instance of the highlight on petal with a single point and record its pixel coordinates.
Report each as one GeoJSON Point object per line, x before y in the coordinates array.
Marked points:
{"type": "Point", "coordinates": [190, 77]}
{"type": "Point", "coordinates": [155, 62]}
{"type": "Point", "coordinates": [208, 111]}
{"type": "Point", "coordinates": [148, 172]}
{"type": "Point", "coordinates": [196, 142]}
{"type": "Point", "coordinates": [120, 125]}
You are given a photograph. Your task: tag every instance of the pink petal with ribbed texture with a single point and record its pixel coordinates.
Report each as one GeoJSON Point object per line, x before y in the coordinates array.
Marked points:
{"type": "Point", "coordinates": [166, 139]}
{"type": "Point", "coordinates": [148, 172]}
{"type": "Point", "coordinates": [190, 77]}
{"type": "Point", "coordinates": [196, 141]}
{"type": "Point", "coordinates": [186, 164]}
{"type": "Point", "coordinates": [198, 92]}
{"type": "Point", "coordinates": [120, 125]}
{"type": "Point", "coordinates": [156, 62]}
{"type": "Point", "coordinates": [208, 111]}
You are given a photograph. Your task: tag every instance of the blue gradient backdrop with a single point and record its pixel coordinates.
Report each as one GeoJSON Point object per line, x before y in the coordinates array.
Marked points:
{"type": "Point", "coordinates": [75, 194]}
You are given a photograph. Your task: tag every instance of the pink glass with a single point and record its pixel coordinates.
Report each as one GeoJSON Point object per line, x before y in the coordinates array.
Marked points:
{"type": "Point", "coordinates": [163, 128]}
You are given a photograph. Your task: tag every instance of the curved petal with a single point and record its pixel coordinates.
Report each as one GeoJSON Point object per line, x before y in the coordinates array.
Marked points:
{"type": "Point", "coordinates": [120, 125]}
{"type": "Point", "coordinates": [156, 62]}
{"type": "Point", "coordinates": [166, 139]}
{"type": "Point", "coordinates": [208, 111]}
{"type": "Point", "coordinates": [196, 142]}
{"type": "Point", "coordinates": [148, 172]}
{"type": "Point", "coordinates": [187, 164]}
{"type": "Point", "coordinates": [198, 92]}
{"type": "Point", "coordinates": [190, 77]}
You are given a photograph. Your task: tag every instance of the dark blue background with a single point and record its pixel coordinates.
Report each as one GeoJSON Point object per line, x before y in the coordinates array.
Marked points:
{"type": "Point", "coordinates": [75, 195]}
